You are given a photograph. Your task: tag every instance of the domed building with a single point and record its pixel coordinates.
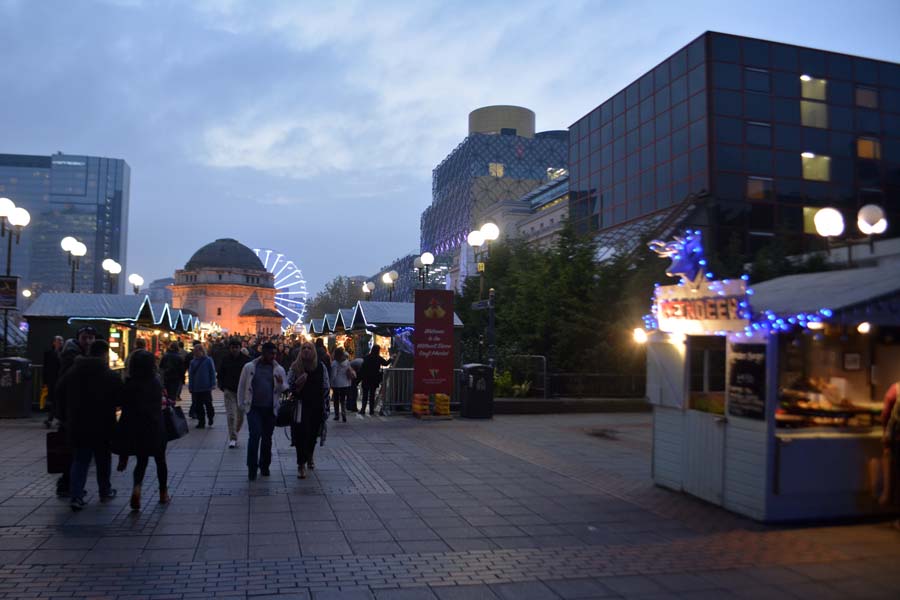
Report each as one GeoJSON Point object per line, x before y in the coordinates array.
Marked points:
{"type": "Point", "coordinates": [225, 282]}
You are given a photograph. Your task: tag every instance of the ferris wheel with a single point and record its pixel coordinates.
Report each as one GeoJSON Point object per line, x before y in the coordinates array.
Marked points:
{"type": "Point", "coordinates": [290, 287]}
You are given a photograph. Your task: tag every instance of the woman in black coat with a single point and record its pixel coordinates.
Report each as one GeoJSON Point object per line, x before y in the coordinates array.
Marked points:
{"type": "Point", "coordinates": [370, 375]}
{"type": "Point", "coordinates": [308, 383]}
{"type": "Point", "coordinates": [141, 431]}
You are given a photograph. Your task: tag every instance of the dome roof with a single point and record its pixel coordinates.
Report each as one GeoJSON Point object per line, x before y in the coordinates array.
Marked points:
{"type": "Point", "coordinates": [224, 254]}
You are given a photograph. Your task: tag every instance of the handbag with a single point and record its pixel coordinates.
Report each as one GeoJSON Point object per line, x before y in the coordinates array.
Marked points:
{"type": "Point", "coordinates": [285, 415]}
{"type": "Point", "coordinates": [176, 423]}
{"type": "Point", "coordinates": [59, 454]}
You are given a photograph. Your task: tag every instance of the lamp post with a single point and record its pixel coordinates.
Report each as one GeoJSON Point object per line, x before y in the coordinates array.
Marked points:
{"type": "Point", "coordinates": [390, 278]}
{"type": "Point", "coordinates": [136, 282]}
{"type": "Point", "coordinates": [75, 250]}
{"type": "Point", "coordinates": [476, 240]}
{"type": "Point", "coordinates": [112, 269]}
{"type": "Point", "coordinates": [18, 219]}
{"type": "Point", "coordinates": [426, 260]}
{"type": "Point", "coordinates": [870, 221]}
{"type": "Point", "coordinates": [368, 287]}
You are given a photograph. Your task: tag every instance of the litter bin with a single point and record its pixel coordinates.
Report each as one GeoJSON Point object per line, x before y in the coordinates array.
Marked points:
{"type": "Point", "coordinates": [15, 387]}
{"type": "Point", "coordinates": [477, 401]}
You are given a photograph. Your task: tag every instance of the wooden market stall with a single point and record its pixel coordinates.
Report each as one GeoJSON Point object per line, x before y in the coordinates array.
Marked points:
{"type": "Point", "coordinates": [767, 400]}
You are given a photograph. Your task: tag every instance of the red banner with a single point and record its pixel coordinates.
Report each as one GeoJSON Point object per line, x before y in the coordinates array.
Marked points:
{"type": "Point", "coordinates": [433, 340]}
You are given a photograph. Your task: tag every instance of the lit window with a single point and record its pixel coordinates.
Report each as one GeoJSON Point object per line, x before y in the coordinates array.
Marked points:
{"type": "Point", "coordinates": [813, 89]}
{"type": "Point", "coordinates": [814, 114]}
{"type": "Point", "coordinates": [496, 169]}
{"type": "Point", "coordinates": [759, 188]}
{"type": "Point", "coordinates": [809, 219]}
{"type": "Point", "coordinates": [816, 167]}
{"type": "Point", "coordinates": [868, 148]}
{"type": "Point", "coordinates": [866, 97]}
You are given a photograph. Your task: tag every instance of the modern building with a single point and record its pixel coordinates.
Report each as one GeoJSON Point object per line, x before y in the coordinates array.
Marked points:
{"type": "Point", "coordinates": [537, 217]}
{"type": "Point", "coordinates": [68, 195]}
{"type": "Point", "coordinates": [501, 159]}
{"type": "Point", "coordinates": [408, 279]}
{"type": "Point", "coordinates": [225, 283]}
{"type": "Point", "coordinates": [760, 134]}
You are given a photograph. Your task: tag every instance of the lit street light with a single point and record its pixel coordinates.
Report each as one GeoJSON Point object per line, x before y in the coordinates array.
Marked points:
{"type": "Point", "coordinates": [390, 278]}
{"type": "Point", "coordinates": [75, 251]}
{"type": "Point", "coordinates": [113, 269]}
{"type": "Point", "coordinates": [870, 221]}
{"type": "Point", "coordinates": [422, 263]}
{"type": "Point", "coordinates": [17, 218]}
{"type": "Point", "coordinates": [136, 282]}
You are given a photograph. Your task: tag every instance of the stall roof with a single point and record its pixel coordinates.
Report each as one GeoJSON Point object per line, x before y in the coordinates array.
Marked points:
{"type": "Point", "coordinates": [109, 307]}
{"type": "Point", "coordinates": [835, 290]}
{"type": "Point", "coordinates": [316, 326]}
{"type": "Point", "coordinates": [345, 319]}
{"type": "Point", "coordinates": [388, 314]}
{"type": "Point", "coordinates": [330, 321]}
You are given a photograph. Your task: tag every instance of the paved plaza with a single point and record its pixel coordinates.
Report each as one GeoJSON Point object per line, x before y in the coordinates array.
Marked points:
{"type": "Point", "coordinates": [519, 507]}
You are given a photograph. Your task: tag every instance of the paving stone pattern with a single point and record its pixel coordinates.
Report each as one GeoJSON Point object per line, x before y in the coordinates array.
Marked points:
{"type": "Point", "coordinates": [518, 507]}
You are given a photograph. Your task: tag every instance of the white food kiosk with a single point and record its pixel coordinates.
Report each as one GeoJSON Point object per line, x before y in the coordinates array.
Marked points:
{"type": "Point", "coordinates": [767, 400]}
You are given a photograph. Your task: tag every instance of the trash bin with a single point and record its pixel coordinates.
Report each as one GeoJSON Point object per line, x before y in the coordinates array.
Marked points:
{"type": "Point", "coordinates": [477, 399]}
{"type": "Point", "coordinates": [15, 387]}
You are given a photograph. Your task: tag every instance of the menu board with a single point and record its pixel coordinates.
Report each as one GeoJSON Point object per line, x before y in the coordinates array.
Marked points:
{"type": "Point", "coordinates": [747, 381]}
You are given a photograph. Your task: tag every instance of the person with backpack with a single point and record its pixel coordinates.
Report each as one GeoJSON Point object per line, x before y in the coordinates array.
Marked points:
{"type": "Point", "coordinates": [201, 382]}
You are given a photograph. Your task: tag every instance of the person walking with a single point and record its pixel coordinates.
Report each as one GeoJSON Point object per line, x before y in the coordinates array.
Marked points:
{"type": "Point", "coordinates": [172, 367]}
{"type": "Point", "coordinates": [139, 344]}
{"type": "Point", "coordinates": [322, 354]}
{"type": "Point", "coordinates": [371, 378]}
{"type": "Point", "coordinates": [353, 397]}
{"type": "Point", "coordinates": [201, 381]}
{"type": "Point", "coordinates": [90, 392]}
{"type": "Point", "coordinates": [141, 428]}
{"type": "Point", "coordinates": [308, 383]}
{"type": "Point", "coordinates": [52, 366]}
{"type": "Point", "coordinates": [71, 349]}
{"type": "Point", "coordinates": [260, 387]}
{"type": "Point", "coordinates": [341, 379]}
{"type": "Point", "coordinates": [229, 376]}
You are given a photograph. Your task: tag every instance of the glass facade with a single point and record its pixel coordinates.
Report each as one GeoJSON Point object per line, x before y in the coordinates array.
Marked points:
{"type": "Point", "coordinates": [82, 196]}
{"type": "Point", "coordinates": [767, 129]}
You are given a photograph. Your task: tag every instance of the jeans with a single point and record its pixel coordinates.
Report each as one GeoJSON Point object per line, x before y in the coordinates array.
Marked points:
{"type": "Point", "coordinates": [173, 388]}
{"type": "Point", "coordinates": [235, 415]}
{"type": "Point", "coordinates": [368, 396]}
{"type": "Point", "coordinates": [162, 470]}
{"type": "Point", "coordinates": [261, 422]}
{"type": "Point", "coordinates": [339, 395]}
{"type": "Point", "coordinates": [81, 462]}
{"type": "Point", "coordinates": [203, 400]}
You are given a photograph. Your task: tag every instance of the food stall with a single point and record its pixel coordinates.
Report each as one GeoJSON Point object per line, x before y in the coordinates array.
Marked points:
{"type": "Point", "coordinates": [767, 399]}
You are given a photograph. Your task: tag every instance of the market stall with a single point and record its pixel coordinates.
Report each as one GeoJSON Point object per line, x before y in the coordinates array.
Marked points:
{"type": "Point", "coordinates": [767, 399]}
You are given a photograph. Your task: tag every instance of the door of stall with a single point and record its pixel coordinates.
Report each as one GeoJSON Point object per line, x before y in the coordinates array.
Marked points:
{"type": "Point", "coordinates": [705, 423]}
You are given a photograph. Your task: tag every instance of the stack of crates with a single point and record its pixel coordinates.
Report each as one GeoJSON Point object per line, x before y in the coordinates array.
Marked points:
{"type": "Point", "coordinates": [442, 405]}
{"type": "Point", "coordinates": [420, 405]}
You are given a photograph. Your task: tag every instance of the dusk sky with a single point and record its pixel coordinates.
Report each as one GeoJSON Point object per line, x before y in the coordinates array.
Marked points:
{"type": "Point", "coordinates": [313, 127]}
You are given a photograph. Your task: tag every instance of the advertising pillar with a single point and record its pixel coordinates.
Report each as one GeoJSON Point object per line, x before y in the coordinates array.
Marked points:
{"type": "Point", "coordinates": [433, 339]}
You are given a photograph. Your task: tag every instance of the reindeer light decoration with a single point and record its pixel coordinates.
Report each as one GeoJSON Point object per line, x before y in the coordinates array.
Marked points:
{"type": "Point", "coordinates": [686, 254]}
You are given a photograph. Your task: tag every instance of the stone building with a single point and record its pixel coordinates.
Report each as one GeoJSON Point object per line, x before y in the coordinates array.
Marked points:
{"type": "Point", "coordinates": [225, 282]}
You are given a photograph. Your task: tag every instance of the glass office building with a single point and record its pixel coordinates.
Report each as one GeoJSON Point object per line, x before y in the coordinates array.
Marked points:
{"type": "Point", "coordinates": [82, 196]}
{"type": "Point", "coordinates": [766, 133]}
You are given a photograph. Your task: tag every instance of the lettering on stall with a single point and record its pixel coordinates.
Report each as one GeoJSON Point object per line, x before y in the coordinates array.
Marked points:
{"type": "Point", "coordinates": [701, 309]}
{"type": "Point", "coordinates": [747, 381]}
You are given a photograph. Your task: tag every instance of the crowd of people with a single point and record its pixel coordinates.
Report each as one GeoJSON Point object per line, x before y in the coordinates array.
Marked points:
{"type": "Point", "coordinates": [255, 375]}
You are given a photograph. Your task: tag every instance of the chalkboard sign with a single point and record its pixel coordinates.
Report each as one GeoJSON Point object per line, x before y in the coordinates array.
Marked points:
{"type": "Point", "coordinates": [747, 381]}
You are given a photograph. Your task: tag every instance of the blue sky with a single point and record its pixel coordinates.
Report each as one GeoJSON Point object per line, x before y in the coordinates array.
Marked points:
{"type": "Point", "coordinates": [313, 127]}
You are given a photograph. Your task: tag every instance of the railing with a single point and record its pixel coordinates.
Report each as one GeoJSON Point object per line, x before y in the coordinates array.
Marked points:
{"type": "Point", "coordinates": [396, 391]}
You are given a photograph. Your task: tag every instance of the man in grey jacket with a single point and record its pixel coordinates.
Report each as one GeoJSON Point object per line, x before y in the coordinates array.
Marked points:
{"type": "Point", "coordinates": [259, 394]}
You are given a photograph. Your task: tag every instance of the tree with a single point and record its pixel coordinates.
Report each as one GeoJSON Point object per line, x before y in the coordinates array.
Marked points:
{"type": "Point", "coordinates": [340, 292]}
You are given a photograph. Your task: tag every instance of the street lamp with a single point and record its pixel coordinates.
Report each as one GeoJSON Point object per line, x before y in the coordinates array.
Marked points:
{"type": "Point", "coordinates": [75, 250]}
{"type": "Point", "coordinates": [26, 293]}
{"type": "Point", "coordinates": [870, 221]}
{"type": "Point", "coordinates": [390, 278]}
{"type": "Point", "coordinates": [421, 263]}
{"type": "Point", "coordinates": [18, 219]}
{"type": "Point", "coordinates": [113, 269]}
{"type": "Point", "coordinates": [136, 282]}
{"type": "Point", "coordinates": [368, 288]}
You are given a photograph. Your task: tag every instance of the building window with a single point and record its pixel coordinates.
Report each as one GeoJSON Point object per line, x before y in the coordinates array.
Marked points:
{"type": "Point", "coordinates": [816, 167]}
{"type": "Point", "coordinates": [219, 312]}
{"type": "Point", "coordinates": [868, 148]}
{"type": "Point", "coordinates": [496, 169]}
{"type": "Point", "coordinates": [809, 219]}
{"type": "Point", "coordinates": [866, 97]}
{"type": "Point", "coordinates": [813, 89]}
{"type": "Point", "coordinates": [220, 277]}
{"type": "Point", "coordinates": [814, 114]}
{"type": "Point", "coordinates": [759, 188]}
{"type": "Point", "coordinates": [756, 79]}
{"type": "Point", "coordinates": [759, 134]}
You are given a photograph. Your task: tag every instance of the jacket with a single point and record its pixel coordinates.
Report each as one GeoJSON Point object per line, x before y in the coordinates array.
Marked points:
{"type": "Point", "coordinates": [51, 367]}
{"type": "Point", "coordinates": [172, 367]}
{"type": "Point", "coordinates": [340, 374]}
{"type": "Point", "coordinates": [70, 351]}
{"type": "Point", "coordinates": [312, 400]}
{"type": "Point", "coordinates": [370, 372]}
{"type": "Point", "coordinates": [245, 385]}
{"type": "Point", "coordinates": [141, 431]}
{"type": "Point", "coordinates": [90, 391]}
{"type": "Point", "coordinates": [229, 373]}
{"type": "Point", "coordinates": [201, 375]}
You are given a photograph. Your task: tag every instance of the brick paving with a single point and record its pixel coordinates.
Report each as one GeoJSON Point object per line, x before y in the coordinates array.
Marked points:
{"type": "Point", "coordinates": [518, 507]}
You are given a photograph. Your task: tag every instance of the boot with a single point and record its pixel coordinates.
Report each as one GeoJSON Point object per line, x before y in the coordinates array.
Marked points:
{"type": "Point", "coordinates": [136, 498]}
{"type": "Point", "coordinates": [301, 472]}
{"type": "Point", "coordinates": [164, 497]}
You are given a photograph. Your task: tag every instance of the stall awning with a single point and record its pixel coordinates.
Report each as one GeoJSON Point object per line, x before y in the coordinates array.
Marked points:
{"type": "Point", "coordinates": [344, 320]}
{"type": "Point", "coordinates": [329, 322]}
{"type": "Point", "coordinates": [370, 315]}
{"type": "Point", "coordinates": [838, 291]}
{"type": "Point", "coordinates": [110, 307]}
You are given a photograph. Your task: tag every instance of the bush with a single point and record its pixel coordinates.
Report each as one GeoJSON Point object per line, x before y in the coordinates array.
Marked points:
{"type": "Point", "coordinates": [503, 384]}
